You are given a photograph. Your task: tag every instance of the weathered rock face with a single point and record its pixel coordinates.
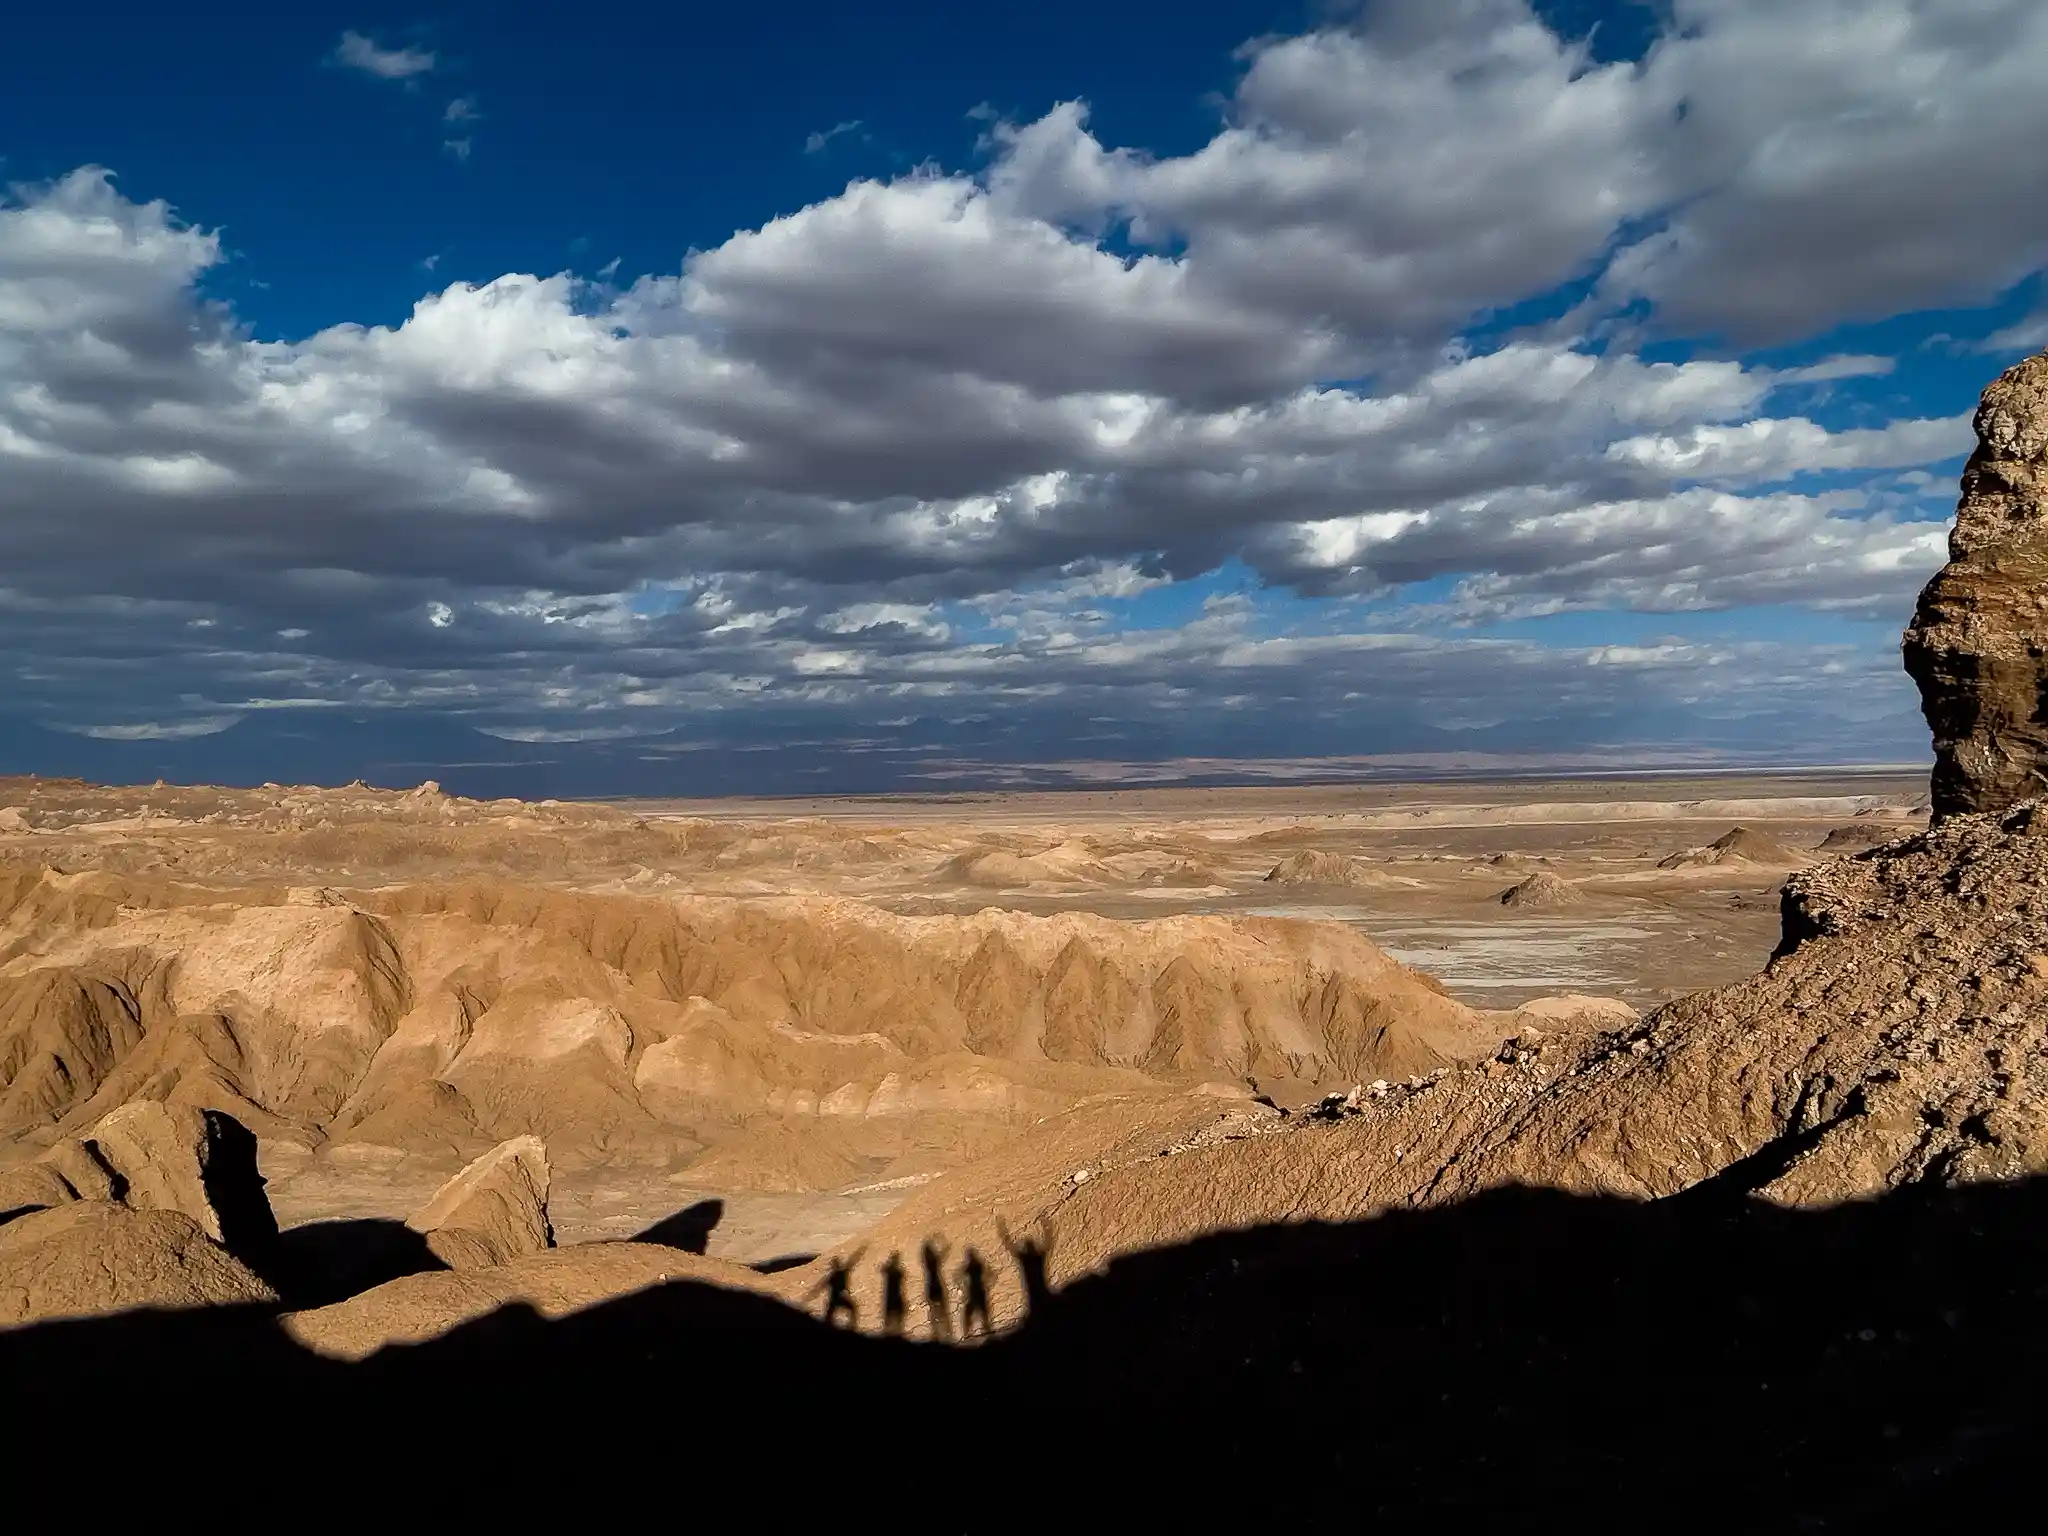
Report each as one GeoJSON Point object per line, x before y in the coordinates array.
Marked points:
{"type": "Point", "coordinates": [33, 1186]}
{"type": "Point", "coordinates": [71, 1170]}
{"type": "Point", "coordinates": [92, 1256]}
{"type": "Point", "coordinates": [150, 1156]}
{"type": "Point", "coordinates": [198, 1162]}
{"type": "Point", "coordinates": [492, 1212]}
{"type": "Point", "coordinates": [1977, 641]}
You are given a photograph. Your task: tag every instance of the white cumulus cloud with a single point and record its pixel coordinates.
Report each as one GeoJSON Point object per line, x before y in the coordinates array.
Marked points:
{"type": "Point", "coordinates": [938, 443]}
{"type": "Point", "coordinates": [360, 52]}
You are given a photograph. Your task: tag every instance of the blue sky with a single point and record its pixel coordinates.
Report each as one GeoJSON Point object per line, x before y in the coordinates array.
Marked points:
{"type": "Point", "coordinates": [925, 395]}
{"type": "Point", "coordinates": [666, 127]}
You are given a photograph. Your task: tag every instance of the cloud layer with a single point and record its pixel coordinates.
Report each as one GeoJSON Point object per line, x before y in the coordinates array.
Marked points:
{"type": "Point", "coordinates": [1428, 340]}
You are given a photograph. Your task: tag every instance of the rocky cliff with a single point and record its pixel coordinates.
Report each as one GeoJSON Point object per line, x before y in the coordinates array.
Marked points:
{"type": "Point", "coordinates": [1976, 643]}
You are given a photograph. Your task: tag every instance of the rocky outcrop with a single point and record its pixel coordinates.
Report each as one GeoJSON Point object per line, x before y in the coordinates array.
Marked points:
{"type": "Point", "coordinates": [1313, 867]}
{"type": "Point", "coordinates": [200, 1163]}
{"type": "Point", "coordinates": [148, 1156]}
{"type": "Point", "coordinates": [33, 1186]}
{"type": "Point", "coordinates": [82, 1170]}
{"type": "Point", "coordinates": [71, 1170]}
{"type": "Point", "coordinates": [494, 1211]}
{"type": "Point", "coordinates": [1976, 644]}
{"type": "Point", "coordinates": [1861, 837]}
{"type": "Point", "coordinates": [1895, 1040]}
{"type": "Point", "coordinates": [1738, 847]}
{"type": "Point", "coordinates": [1541, 889]}
{"type": "Point", "coordinates": [440, 1019]}
{"type": "Point", "coordinates": [93, 1257]}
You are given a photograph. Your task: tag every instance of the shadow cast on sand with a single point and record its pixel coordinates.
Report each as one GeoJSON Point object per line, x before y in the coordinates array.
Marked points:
{"type": "Point", "coordinates": [689, 1229]}
{"type": "Point", "coordinates": [1525, 1360]}
{"type": "Point", "coordinates": [322, 1262]}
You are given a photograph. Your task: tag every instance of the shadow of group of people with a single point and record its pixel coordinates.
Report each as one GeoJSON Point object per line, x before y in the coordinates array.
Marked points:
{"type": "Point", "coordinates": [976, 1319]}
{"type": "Point", "coordinates": [1523, 1358]}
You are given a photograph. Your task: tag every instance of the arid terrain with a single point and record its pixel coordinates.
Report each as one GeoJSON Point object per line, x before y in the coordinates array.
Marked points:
{"type": "Point", "coordinates": [1698, 1188]}
{"type": "Point", "coordinates": [805, 1011]}
{"type": "Point", "coordinates": [586, 1108]}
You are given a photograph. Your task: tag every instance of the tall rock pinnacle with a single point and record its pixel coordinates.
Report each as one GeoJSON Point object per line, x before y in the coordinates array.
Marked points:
{"type": "Point", "coordinates": [1978, 643]}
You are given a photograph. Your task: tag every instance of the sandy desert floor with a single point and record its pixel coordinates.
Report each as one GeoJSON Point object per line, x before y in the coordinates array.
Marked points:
{"type": "Point", "coordinates": [1635, 889]}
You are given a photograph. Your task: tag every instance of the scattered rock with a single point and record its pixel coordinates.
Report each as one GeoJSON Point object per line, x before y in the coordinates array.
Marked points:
{"type": "Point", "coordinates": [92, 1256]}
{"type": "Point", "coordinates": [492, 1212]}
{"type": "Point", "coordinates": [1977, 641]}
{"type": "Point", "coordinates": [1335, 1106]}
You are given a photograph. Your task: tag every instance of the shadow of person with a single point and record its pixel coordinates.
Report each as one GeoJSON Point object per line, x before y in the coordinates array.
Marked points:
{"type": "Point", "coordinates": [974, 1295]}
{"type": "Point", "coordinates": [1030, 1256]}
{"type": "Point", "coordinates": [689, 1229]}
{"type": "Point", "coordinates": [1715, 1363]}
{"type": "Point", "coordinates": [838, 1288]}
{"type": "Point", "coordinates": [894, 1307]}
{"type": "Point", "coordinates": [938, 1305]}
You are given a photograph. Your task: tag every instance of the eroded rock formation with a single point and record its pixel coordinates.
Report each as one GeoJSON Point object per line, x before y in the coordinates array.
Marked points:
{"type": "Point", "coordinates": [1976, 643]}
{"type": "Point", "coordinates": [1737, 846]}
{"type": "Point", "coordinates": [492, 1212]}
{"type": "Point", "coordinates": [1542, 889]}
{"type": "Point", "coordinates": [198, 1162]}
{"type": "Point", "coordinates": [1897, 1040]}
{"type": "Point", "coordinates": [442, 1019]}
{"type": "Point", "coordinates": [153, 1156]}
{"type": "Point", "coordinates": [94, 1256]}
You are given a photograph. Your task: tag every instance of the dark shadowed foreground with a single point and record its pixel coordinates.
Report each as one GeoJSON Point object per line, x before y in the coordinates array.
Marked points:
{"type": "Point", "coordinates": [1708, 1361]}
